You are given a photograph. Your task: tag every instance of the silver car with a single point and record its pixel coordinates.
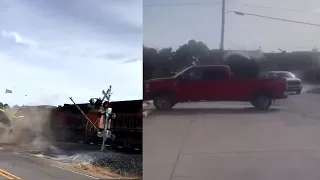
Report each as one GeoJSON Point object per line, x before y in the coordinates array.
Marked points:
{"type": "Point", "coordinates": [294, 84]}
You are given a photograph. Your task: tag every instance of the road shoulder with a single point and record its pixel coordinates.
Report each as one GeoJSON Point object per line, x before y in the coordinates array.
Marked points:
{"type": "Point", "coordinates": [69, 167]}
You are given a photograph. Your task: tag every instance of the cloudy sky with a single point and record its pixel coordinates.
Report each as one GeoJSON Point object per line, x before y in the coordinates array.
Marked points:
{"type": "Point", "coordinates": [50, 50]}
{"type": "Point", "coordinates": [171, 24]}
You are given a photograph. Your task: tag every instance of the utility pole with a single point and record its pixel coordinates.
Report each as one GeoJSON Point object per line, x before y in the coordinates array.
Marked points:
{"type": "Point", "coordinates": [222, 25]}
{"type": "Point", "coordinates": [223, 13]}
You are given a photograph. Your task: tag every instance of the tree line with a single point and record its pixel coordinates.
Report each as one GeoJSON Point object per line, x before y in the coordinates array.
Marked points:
{"type": "Point", "coordinates": [165, 62]}
{"type": "Point", "coordinates": [6, 106]}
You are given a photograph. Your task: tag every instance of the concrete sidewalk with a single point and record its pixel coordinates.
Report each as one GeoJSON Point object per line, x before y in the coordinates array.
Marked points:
{"type": "Point", "coordinates": [206, 144]}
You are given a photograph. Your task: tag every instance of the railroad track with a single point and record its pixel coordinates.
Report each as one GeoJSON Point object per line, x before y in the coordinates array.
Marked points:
{"type": "Point", "coordinates": [66, 146]}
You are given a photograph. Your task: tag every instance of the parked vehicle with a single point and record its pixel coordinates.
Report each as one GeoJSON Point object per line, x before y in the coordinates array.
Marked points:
{"type": "Point", "coordinates": [294, 84]}
{"type": "Point", "coordinates": [212, 83]}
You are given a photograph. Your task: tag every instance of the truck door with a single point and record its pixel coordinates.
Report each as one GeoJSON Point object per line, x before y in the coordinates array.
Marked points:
{"type": "Point", "coordinates": [191, 85]}
{"type": "Point", "coordinates": [217, 81]}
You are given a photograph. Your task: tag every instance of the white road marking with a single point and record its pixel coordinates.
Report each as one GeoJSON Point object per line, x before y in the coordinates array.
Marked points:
{"type": "Point", "coordinates": [74, 171]}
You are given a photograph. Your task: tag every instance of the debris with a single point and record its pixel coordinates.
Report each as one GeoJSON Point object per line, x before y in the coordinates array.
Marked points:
{"type": "Point", "coordinates": [8, 91]}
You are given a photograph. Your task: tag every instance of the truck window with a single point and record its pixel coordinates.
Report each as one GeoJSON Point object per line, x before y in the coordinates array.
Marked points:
{"type": "Point", "coordinates": [214, 74]}
{"type": "Point", "coordinates": [285, 75]}
{"type": "Point", "coordinates": [197, 74]}
{"type": "Point", "coordinates": [193, 74]}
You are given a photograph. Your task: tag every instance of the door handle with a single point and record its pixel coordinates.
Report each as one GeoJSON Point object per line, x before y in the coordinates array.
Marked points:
{"type": "Point", "coordinates": [176, 87]}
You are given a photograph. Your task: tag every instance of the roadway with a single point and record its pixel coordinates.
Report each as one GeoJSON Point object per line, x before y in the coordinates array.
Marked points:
{"type": "Point", "coordinates": [227, 141]}
{"type": "Point", "coordinates": [17, 166]}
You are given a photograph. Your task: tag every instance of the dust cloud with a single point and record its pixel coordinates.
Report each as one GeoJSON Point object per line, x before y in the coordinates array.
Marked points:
{"type": "Point", "coordinates": [311, 88]}
{"type": "Point", "coordinates": [33, 129]}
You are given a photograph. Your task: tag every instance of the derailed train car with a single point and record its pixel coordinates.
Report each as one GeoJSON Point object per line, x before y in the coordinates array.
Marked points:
{"type": "Point", "coordinates": [66, 123]}
{"type": "Point", "coordinates": [127, 127]}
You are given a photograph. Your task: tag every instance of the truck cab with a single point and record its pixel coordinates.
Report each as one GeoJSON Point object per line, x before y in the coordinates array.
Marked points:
{"type": "Point", "coordinates": [212, 83]}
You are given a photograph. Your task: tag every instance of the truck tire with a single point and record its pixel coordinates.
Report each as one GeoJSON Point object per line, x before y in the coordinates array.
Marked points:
{"type": "Point", "coordinates": [298, 92]}
{"type": "Point", "coordinates": [262, 102]}
{"type": "Point", "coordinates": [163, 102]}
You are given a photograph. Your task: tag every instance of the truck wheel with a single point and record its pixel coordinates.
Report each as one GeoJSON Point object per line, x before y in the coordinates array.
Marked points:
{"type": "Point", "coordinates": [163, 102]}
{"type": "Point", "coordinates": [253, 103]}
{"type": "Point", "coordinates": [298, 92]}
{"type": "Point", "coordinates": [262, 102]}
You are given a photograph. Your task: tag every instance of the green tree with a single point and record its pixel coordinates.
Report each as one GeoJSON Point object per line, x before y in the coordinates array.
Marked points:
{"type": "Point", "coordinates": [161, 63]}
{"type": "Point", "coordinates": [6, 106]}
{"type": "Point", "coordinates": [183, 57]}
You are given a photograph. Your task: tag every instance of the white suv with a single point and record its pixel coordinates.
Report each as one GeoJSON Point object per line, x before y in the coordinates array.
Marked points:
{"type": "Point", "coordinates": [294, 84]}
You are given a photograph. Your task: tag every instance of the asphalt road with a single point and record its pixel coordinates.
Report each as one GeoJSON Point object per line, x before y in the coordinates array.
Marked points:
{"type": "Point", "coordinates": [17, 166]}
{"type": "Point", "coordinates": [228, 141]}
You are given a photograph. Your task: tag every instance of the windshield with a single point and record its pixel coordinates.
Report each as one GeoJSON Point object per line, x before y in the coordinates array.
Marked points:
{"type": "Point", "coordinates": [181, 72]}
{"type": "Point", "coordinates": [285, 75]}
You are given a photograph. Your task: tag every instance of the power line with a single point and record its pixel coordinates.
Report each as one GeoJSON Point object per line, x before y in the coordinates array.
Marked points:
{"type": "Point", "coordinates": [274, 18]}
{"type": "Point", "coordinates": [275, 8]}
{"type": "Point", "coordinates": [219, 2]}
{"type": "Point", "coordinates": [184, 4]}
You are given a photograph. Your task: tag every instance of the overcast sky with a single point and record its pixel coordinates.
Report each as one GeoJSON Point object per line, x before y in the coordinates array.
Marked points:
{"type": "Point", "coordinates": [166, 26]}
{"type": "Point", "coordinates": [53, 49]}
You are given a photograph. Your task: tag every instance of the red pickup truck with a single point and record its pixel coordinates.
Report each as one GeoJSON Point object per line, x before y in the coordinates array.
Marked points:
{"type": "Point", "coordinates": [212, 83]}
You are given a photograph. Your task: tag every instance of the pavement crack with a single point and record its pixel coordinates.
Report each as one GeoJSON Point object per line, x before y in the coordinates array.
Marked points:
{"type": "Point", "coordinates": [252, 151]}
{"type": "Point", "coordinates": [182, 146]}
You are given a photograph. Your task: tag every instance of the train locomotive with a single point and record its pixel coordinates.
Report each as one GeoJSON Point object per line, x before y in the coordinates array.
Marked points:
{"type": "Point", "coordinates": [101, 121]}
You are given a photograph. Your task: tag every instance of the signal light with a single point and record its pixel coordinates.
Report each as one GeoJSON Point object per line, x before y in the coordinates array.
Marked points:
{"type": "Point", "coordinates": [106, 104]}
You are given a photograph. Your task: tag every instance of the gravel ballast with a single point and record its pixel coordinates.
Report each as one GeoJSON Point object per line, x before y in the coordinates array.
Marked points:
{"type": "Point", "coordinates": [118, 163]}
{"type": "Point", "coordinates": [75, 154]}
